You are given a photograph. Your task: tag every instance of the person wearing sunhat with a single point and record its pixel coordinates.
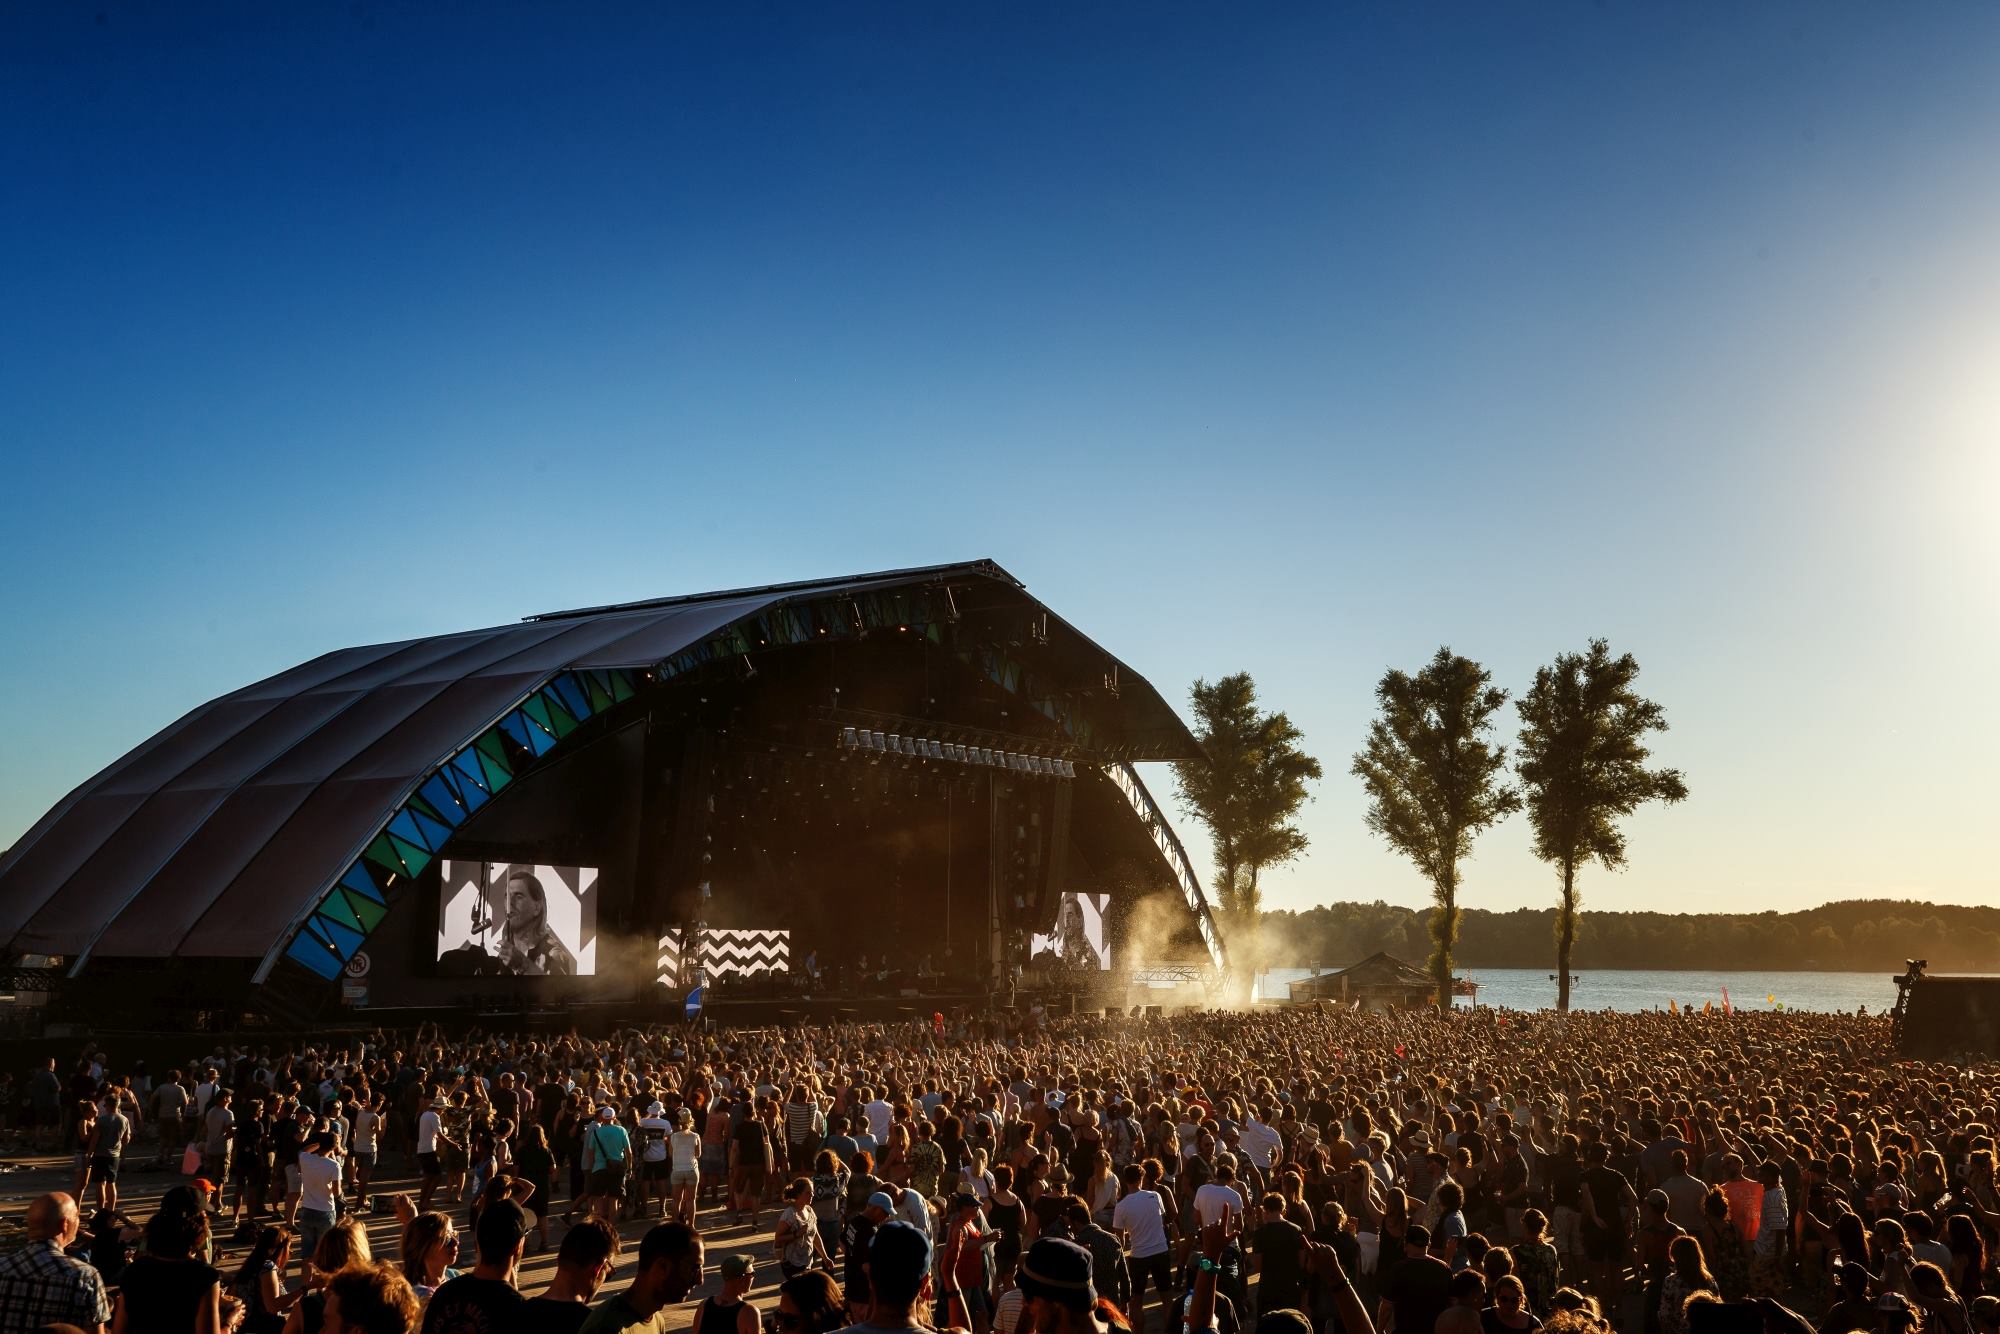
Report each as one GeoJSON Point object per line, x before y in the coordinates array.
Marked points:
{"type": "Point", "coordinates": [727, 1312]}
{"type": "Point", "coordinates": [1060, 1296]}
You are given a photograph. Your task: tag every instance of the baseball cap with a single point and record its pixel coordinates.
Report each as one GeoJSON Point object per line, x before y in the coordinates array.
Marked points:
{"type": "Point", "coordinates": [656, 1108]}
{"type": "Point", "coordinates": [736, 1266]}
{"type": "Point", "coordinates": [606, 1110]}
{"type": "Point", "coordinates": [965, 1199]}
{"type": "Point", "coordinates": [1058, 1271]}
{"type": "Point", "coordinates": [881, 1200]}
{"type": "Point", "coordinates": [202, 1183]}
{"type": "Point", "coordinates": [899, 1257]}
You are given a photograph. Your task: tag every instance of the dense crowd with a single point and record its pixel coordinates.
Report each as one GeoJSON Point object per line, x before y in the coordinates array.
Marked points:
{"type": "Point", "coordinates": [1314, 1171]}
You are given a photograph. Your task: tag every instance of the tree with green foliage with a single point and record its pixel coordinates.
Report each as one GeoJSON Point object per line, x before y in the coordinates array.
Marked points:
{"type": "Point", "coordinates": [1245, 791]}
{"type": "Point", "coordinates": [1434, 780]}
{"type": "Point", "coordinates": [1583, 767]}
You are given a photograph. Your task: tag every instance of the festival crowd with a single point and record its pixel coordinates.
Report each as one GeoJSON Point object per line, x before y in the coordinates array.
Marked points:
{"type": "Point", "coordinates": [1305, 1171]}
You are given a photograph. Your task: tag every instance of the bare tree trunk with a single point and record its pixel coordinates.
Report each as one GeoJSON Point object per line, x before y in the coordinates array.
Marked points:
{"type": "Point", "coordinates": [1444, 934]}
{"type": "Point", "coordinates": [1565, 934]}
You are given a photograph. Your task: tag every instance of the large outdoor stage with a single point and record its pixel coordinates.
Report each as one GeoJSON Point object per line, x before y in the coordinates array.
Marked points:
{"type": "Point", "coordinates": [888, 794]}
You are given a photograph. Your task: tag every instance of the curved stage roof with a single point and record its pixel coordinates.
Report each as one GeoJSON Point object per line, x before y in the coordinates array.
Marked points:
{"type": "Point", "coordinates": [277, 818]}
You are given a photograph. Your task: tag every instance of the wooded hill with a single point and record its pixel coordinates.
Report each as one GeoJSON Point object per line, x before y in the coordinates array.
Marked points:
{"type": "Point", "coordinates": [1864, 934]}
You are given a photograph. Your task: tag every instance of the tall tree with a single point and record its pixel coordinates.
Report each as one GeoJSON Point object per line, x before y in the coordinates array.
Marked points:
{"type": "Point", "coordinates": [1583, 767]}
{"type": "Point", "coordinates": [1434, 780]}
{"type": "Point", "coordinates": [1246, 791]}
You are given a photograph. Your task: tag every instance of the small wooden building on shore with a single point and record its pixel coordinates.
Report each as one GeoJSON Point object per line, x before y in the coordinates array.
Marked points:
{"type": "Point", "coordinates": [1379, 982]}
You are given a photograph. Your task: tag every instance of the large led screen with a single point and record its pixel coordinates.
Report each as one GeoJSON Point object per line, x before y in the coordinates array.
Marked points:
{"type": "Point", "coordinates": [511, 919]}
{"type": "Point", "coordinates": [1079, 939]}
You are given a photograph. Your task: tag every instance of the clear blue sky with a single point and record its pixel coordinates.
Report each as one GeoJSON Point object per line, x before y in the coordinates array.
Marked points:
{"type": "Point", "coordinates": [1291, 339]}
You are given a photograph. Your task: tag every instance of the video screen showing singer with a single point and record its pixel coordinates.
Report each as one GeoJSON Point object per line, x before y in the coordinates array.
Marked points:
{"type": "Point", "coordinates": [527, 946]}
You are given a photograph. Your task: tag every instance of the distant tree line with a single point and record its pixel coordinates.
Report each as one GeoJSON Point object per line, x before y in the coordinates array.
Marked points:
{"type": "Point", "coordinates": [1864, 934]}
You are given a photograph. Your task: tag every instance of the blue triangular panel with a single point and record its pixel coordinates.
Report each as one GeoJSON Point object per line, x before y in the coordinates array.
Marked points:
{"type": "Point", "coordinates": [404, 826]}
{"type": "Point", "coordinates": [437, 790]}
{"type": "Point", "coordinates": [358, 880]}
{"type": "Point", "coordinates": [311, 954]}
{"type": "Point", "coordinates": [434, 833]}
{"type": "Point", "coordinates": [345, 939]}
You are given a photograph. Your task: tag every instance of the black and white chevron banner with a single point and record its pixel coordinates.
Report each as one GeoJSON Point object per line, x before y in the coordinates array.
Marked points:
{"type": "Point", "coordinates": [725, 952]}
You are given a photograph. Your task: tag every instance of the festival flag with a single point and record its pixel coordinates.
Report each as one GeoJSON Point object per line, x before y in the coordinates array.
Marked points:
{"type": "Point", "coordinates": [1708, 1007]}
{"type": "Point", "coordinates": [693, 1005]}
{"type": "Point", "coordinates": [1399, 1049]}
{"type": "Point", "coordinates": [1725, 1001]}
{"type": "Point", "coordinates": [1671, 1007]}
{"type": "Point", "coordinates": [1772, 999]}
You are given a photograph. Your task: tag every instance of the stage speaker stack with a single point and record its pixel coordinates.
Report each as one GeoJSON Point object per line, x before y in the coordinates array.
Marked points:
{"type": "Point", "coordinates": [1946, 1017]}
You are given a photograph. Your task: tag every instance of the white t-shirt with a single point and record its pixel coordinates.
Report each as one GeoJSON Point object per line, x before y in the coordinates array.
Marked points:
{"type": "Point", "coordinates": [880, 1114]}
{"type": "Point", "coordinates": [912, 1209]}
{"type": "Point", "coordinates": [1212, 1199]}
{"type": "Point", "coordinates": [1142, 1217]}
{"type": "Point", "coordinates": [319, 1181]}
{"type": "Point", "coordinates": [655, 1138]}
{"type": "Point", "coordinates": [686, 1146]}
{"type": "Point", "coordinates": [427, 1131]}
{"type": "Point", "coordinates": [365, 1123]}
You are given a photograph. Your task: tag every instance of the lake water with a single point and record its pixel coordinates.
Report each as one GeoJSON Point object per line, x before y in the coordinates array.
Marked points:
{"type": "Point", "coordinates": [1633, 989]}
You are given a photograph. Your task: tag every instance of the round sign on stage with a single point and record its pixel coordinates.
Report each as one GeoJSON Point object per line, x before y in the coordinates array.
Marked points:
{"type": "Point", "coordinates": [358, 965]}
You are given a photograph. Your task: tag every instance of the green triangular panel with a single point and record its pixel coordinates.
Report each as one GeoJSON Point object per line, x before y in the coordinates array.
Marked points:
{"type": "Point", "coordinates": [366, 911]}
{"type": "Point", "coordinates": [336, 908]}
{"type": "Point", "coordinates": [497, 774]}
{"type": "Point", "coordinates": [414, 858]}
{"type": "Point", "coordinates": [492, 748]}
{"type": "Point", "coordinates": [383, 855]}
{"type": "Point", "coordinates": [537, 708]}
{"type": "Point", "coordinates": [621, 686]}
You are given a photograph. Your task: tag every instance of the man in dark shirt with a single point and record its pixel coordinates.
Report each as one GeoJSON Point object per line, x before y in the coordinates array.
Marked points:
{"type": "Point", "coordinates": [1277, 1257]}
{"type": "Point", "coordinates": [484, 1301]}
{"type": "Point", "coordinates": [1107, 1253]}
{"type": "Point", "coordinates": [589, 1252]}
{"type": "Point", "coordinates": [1417, 1288]}
{"type": "Point", "coordinates": [854, 1240]}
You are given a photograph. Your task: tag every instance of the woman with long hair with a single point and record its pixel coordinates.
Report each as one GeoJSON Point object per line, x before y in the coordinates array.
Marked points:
{"type": "Point", "coordinates": [684, 1155]}
{"type": "Point", "coordinates": [1968, 1256]}
{"type": "Point", "coordinates": [259, 1282]}
{"type": "Point", "coordinates": [1536, 1262]}
{"type": "Point", "coordinates": [169, 1288]}
{"type": "Point", "coordinates": [536, 1165]}
{"type": "Point", "coordinates": [430, 1244]}
{"type": "Point", "coordinates": [829, 1195]}
{"type": "Point", "coordinates": [1686, 1275]}
{"type": "Point", "coordinates": [1722, 1247]}
{"type": "Point", "coordinates": [343, 1246]}
{"type": "Point", "coordinates": [1100, 1189]}
{"type": "Point", "coordinates": [893, 1163]}
{"type": "Point", "coordinates": [810, 1303]}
